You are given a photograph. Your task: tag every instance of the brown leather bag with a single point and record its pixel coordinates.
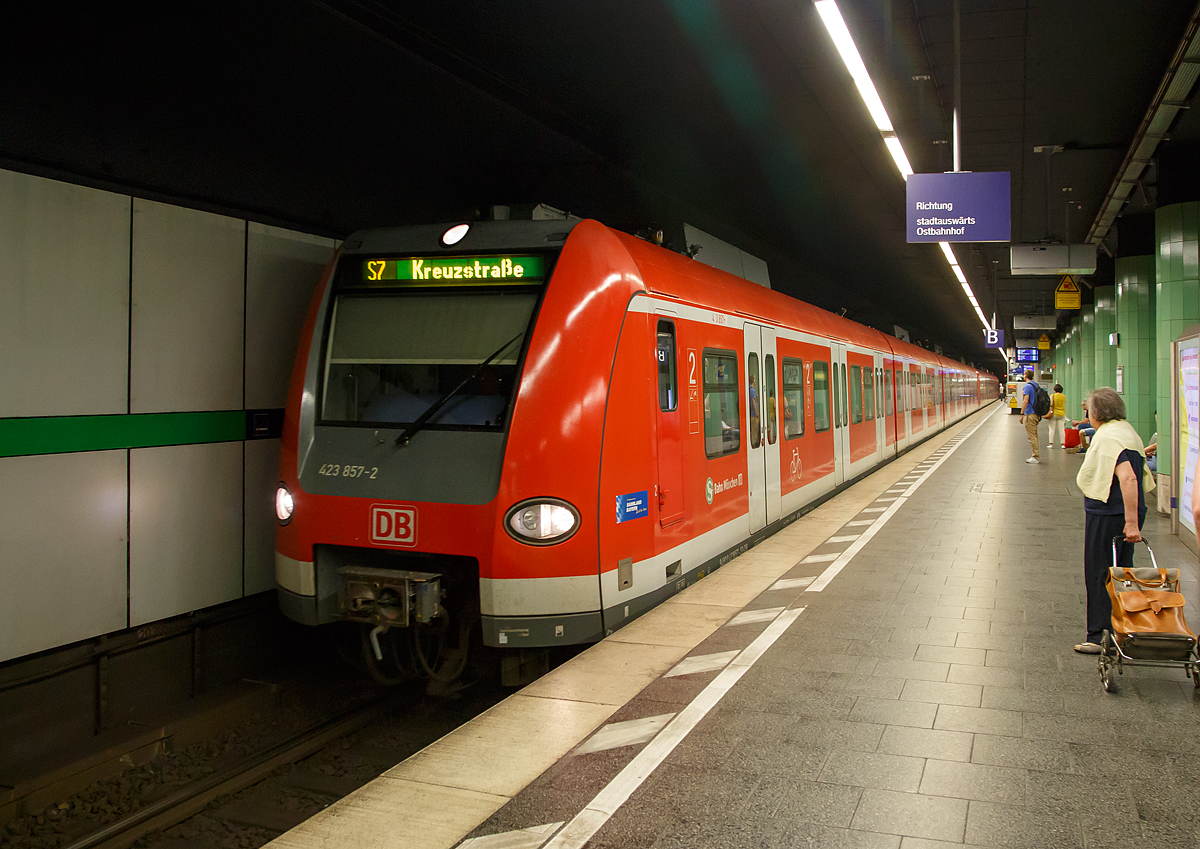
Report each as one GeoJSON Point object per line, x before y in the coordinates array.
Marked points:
{"type": "Point", "coordinates": [1145, 610]}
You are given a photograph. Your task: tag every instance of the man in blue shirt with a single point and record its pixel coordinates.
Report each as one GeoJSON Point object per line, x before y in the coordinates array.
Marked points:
{"type": "Point", "coordinates": [1029, 417]}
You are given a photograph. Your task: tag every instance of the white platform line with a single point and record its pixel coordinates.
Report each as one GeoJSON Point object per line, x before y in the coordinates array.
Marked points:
{"type": "Point", "coordinates": [846, 556]}
{"type": "Point", "coordinates": [792, 583]}
{"type": "Point", "coordinates": [632, 732]}
{"type": "Point", "coordinates": [872, 510]}
{"type": "Point", "coordinates": [820, 558]}
{"type": "Point", "coordinates": [592, 818]}
{"type": "Point", "coordinates": [850, 538]}
{"type": "Point", "coordinates": [526, 838]}
{"type": "Point", "coordinates": [749, 617]}
{"type": "Point", "coordinates": [702, 663]}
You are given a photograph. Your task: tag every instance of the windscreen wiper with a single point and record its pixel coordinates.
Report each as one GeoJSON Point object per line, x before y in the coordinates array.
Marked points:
{"type": "Point", "coordinates": [403, 439]}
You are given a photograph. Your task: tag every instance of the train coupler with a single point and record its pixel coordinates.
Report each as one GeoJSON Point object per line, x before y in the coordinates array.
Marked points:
{"type": "Point", "coordinates": [388, 598]}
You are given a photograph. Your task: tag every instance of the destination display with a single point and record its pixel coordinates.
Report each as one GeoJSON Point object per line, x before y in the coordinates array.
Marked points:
{"type": "Point", "coordinates": [959, 206]}
{"type": "Point", "coordinates": [1028, 355]}
{"type": "Point", "coordinates": [453, 271]}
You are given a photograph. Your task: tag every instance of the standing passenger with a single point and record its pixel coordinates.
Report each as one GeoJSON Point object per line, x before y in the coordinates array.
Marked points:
{"type": "Point", "coordinates": [1058, 416]}
{"type": "Point", "coordinates": [1114, 504]}
{"type": "Point", "coordinates": [1028, 417]}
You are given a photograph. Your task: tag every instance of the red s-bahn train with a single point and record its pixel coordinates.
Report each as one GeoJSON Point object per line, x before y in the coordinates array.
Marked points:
{"type": "Point", "coordinates": [538, 430]}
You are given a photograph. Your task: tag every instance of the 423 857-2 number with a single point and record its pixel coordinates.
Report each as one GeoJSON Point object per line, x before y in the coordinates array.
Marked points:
{"type": "Point", "coordinates": [337, 470]}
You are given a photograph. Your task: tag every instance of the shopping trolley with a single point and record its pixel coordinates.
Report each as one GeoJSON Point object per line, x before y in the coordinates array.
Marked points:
{"type": "Point", "coordinates": [1148, 628]}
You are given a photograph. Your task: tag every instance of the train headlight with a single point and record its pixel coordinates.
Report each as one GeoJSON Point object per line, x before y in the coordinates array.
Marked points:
{"type": "Point", "coordinates": [542, 521]}
{"type": "Point", "coordinates": [284, 505]}
{"type": "Point", "coordinates": [455, 234]}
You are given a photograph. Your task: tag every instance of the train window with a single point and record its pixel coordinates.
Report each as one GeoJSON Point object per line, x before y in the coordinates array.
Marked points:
{"type": "Point", "coordinates": [888, 407]}
{"type": "Point", "coordinates": [869, 394]}
{"type": "Point", "coordinates": [755, 413]}
{"type": "Point", "coordinates": [668, 394]}
{"type": "Point", "coordinates": [390, 357]}
{"type": "Point", "coordinates": [772, 411]}
{"type": "Point", "coordinates": [856, 405]}
{"type": "Point", "coordinates": [837, 398]}
{"type": "Point", "coordinates": [845, 398]}
{"type": "Point", "coordinates": [722, 418]}
{"type": "Point", "coordinates": [793, 397]}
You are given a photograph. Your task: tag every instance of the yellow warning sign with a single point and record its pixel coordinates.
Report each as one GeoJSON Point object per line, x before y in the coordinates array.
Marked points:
{"type": "Point", "coordinates": [1067, 296]}
{"type": "Point", "coordinates": [1044, 343]}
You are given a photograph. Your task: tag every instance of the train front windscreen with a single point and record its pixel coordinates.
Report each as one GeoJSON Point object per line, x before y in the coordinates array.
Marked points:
{"type": "Point", "coordinates": [434, 342]}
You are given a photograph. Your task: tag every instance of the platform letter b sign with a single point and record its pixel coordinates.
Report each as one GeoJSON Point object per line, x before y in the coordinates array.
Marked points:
{"type": "Point", "coordinates": [393, 526]}
{"type": "Point", "coordinates": [993, 338]}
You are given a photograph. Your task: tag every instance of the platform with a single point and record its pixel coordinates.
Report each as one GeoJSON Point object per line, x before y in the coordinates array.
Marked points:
{"type": "Point", "coordinates": [894, 669]}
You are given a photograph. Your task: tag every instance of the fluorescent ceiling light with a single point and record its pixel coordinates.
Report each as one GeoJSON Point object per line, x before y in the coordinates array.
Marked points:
{"type": "Point", "coordinates": [831, 16]}
{"type": "Point", "coordinates": [898, 156]}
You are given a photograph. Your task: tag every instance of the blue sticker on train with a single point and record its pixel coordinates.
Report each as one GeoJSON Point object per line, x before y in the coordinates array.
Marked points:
{"type": "Point", "coordinates": [635, 505]}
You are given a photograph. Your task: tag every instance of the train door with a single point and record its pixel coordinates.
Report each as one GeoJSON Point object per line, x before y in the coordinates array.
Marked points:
{"type": "Point", "coordinates": [762, 429]}
{"type": "Point", "coordinates": [669, 488]}
{"type": "Point", "coordinates": [841, 413]}
{"type": "Point", "coordinates": [899, 374]}
{"type": "Point", "coordinates": [881, 415]}
{"type": "Point", "coordinates": [916, 393]}
{"type": "Point", "coordinates": [887, 408]}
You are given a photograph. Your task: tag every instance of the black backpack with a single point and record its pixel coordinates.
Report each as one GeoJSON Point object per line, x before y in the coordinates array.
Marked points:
{"type": "Point", "coordinates": [1041, 401]}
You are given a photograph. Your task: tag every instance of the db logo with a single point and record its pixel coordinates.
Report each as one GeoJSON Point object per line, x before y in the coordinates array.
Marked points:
{"type": "Point", "coordinates": [395, 526]}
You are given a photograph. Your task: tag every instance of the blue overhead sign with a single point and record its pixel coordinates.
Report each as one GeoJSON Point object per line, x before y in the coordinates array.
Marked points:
{"type": "Point", "coordinates": [993, 338]}
{"type": "Point", "coordinates": [959, 206]}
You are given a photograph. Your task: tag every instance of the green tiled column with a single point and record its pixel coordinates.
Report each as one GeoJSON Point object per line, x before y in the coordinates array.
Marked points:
{"type": "Point", "coordinates": [1087, 350]}
{"type": "Point", "coordinates": [1105, 361]}
{"type": "Point", "coordinates": [1177, 230]}
{"type": "Point", "coordinates": [1137, 355]}
{"type": "Point", "coordinates": [1072, 386]}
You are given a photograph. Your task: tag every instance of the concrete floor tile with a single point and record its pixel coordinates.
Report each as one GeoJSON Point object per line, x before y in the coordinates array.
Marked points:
{"type": "Point", "coordinates": [910, 814]}
{"type": "Point", "coordinates": [894, 712]}
{"type": "Point", "coordinates": [1008, 825]}
{"type": "Point", "coordinates": [872, 769]}
{"type": "Point", "coordinates": [1023, 753]}
{"type": "Point", "coordinates": [922, 669]}
{"type": "Point", "coordinates": [926, 743]}
{"type": "Point", "coordinates": [1004, 723]}
{"type": "Point", "coordinates": [1002, 784]}
{"type": "Point", "coordinates": [950, 654]}
{"type": "Point", "coordinates": [941, 692]}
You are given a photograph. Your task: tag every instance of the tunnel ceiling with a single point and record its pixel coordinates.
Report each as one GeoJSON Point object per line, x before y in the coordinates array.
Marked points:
{"type": "Point", "coordinates": [736, 117]}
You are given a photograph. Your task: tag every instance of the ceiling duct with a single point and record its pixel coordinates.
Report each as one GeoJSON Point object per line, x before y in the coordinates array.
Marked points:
{"type": "Point", "coordinates": [1171, 96]}
{"type": "Point", "coordinates": [1035, 322]}
{"type": "Point", "coordinates": [1053, 259]}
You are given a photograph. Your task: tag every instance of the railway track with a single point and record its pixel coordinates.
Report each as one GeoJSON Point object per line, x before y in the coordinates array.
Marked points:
{"type": "Point", "coordinates": [191, 800]}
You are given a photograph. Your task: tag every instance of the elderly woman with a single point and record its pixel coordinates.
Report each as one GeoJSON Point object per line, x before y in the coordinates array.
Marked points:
{"type": "Point", "coordinates": [1114, 504]}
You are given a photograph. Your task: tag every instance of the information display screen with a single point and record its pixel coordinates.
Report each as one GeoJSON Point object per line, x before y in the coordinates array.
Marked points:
{"type": "Point", "coordinates": [1028, 355]}
{"type": "Point", "coordinates": [450, 271]}
{"type": "Point", "coordinates": [1188, 422]}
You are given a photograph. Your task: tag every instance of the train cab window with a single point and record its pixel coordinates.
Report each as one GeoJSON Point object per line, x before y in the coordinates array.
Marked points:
{"type": "Point", "coordinates": [856, 398]}
{"type": "Point", "coordinates": [755, 400]}
{"type": "Point", "coordinates": [722, 418]}
{"type": "Point", "coordinates": [869, 394]}
{"type": "Point", "coordinates": [771, 405]}
{"type": "Point", "coordinates": [391, 357]}
{"type": "Point", "coordinates": [668, 394]}
{"type": "Point", "coordinates": [888, 408]}
{"type": "Point", "coordinates": [820, 398]}
{"type": "Point", "coordinates": [793, 397]}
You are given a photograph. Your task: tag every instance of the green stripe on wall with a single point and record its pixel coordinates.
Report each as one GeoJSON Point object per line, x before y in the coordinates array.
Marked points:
{"type": "Point", "coordinates": [63, 434]}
